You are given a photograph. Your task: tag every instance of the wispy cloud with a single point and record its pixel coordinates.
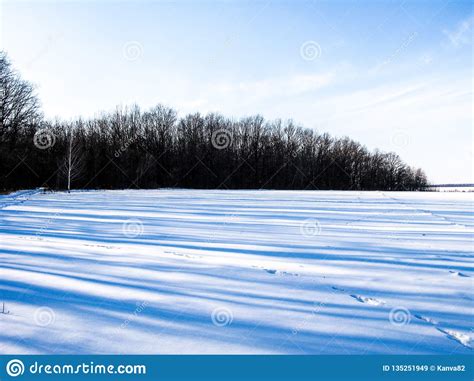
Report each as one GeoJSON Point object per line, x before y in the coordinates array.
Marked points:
{"type": "Point", "coordinates": [390, 96]}
{"type": "Point", "coordinates": [246, 94]}
{"type": "Point", "coordinates": [461, 35]}
{"type": "Point", "coordinates": [291, 85]}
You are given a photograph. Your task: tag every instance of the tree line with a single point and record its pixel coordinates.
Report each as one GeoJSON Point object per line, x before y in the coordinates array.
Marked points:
{"type": "Point", "coordinates": [131, 148]}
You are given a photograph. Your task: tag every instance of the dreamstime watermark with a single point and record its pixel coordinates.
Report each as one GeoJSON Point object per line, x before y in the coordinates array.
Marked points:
{"type": "Point", "coordinates": [44, 316]}
{"type": "Point", "coordinates": [132, 228]}
{"type": "Point", "coordinates": [232, 219]}
{"type": "Point", "coordinates": [133, 316]}
{"type": "Point", "coordinates": [221, 139]}
{"type": "Point", "coordinates": [222, 316]}
{"type": "Point", "coordinates": [125, 146]}
{"type": "Point", "coordinates": [398, 51]}
{"type": "Point", "coordinates": [399, 316]}
{"type": "Point", "coordinates": [16, 367]}
{"type": "Point", "coordinates": [310, 228]}
{"type": "Point", "coordinates": [44, 139]}
{"type": "Point", "coordinates": [45, 227]}
{"type": "Point", "coordinates": [400, 139]}
{"type": "Point", "coordinates": [317, 306]}
{"type": "Point", "coordinates": [51, 40]}
{"type": "Point", "coordinates": [228, 219]}
{"type": "Point", "coordinates": [310, 50]}
{"type": "Point", "coordinates": [132, 50]}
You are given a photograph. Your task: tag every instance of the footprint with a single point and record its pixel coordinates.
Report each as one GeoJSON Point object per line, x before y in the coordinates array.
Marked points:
{"type": "Point", "coordinates": [457, 273]}
{"type": "Point", "coordinates": [287, 273]}
{"type": "Point", "coordinates": [107, 247]}
{"type": "Point", "coordinates": [461, 338]}
{"type": "Point", "coordinates": [370, 301]}
{"type": "Point", "coordinates": [270, 271]}
{"type": "Point", "coordinates": [467, 297]}
{"type": "Point", "coordinates": [426, 319]}
{"type": "Point", "coordinates": [273, 271]}
{"type": "Point", "coordinates": [184, 255]}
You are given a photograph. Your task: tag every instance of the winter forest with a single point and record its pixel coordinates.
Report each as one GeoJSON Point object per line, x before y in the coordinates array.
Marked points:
{"type": "Point", "coordinates": [132, 148]}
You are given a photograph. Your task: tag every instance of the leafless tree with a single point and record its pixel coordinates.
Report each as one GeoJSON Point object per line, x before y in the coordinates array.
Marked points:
{"type": "Point", "coordinates": [19, 106]}
{"type": "Point", "coordinates": [72, 164]}
{"type": "Point", "coordinates": [155, 148]}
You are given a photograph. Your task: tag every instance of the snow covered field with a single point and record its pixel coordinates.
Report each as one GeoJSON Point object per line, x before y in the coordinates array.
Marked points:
{"type": "Point", "coordinates": [180, 271]}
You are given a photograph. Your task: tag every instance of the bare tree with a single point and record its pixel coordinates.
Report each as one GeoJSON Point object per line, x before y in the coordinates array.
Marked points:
{"type": "Point", "coordinates": [19, 106]}
{"type": "Point", "coordinates": [72, 164]}
{"type": "Point", "coordinates": [155, 148]}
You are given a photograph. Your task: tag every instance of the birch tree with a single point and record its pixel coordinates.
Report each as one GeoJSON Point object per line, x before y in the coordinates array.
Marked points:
{"type": "Point", "coordinates": [73, 161]}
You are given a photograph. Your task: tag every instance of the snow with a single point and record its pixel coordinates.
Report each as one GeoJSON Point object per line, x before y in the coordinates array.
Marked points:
{"type": "Point", "coordinates": [210, 271]}
{"type": "Point", "coordinates": [452, 188]}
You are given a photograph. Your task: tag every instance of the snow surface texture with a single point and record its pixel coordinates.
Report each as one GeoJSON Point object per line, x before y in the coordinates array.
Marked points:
{"type": "Point", "coordinates": [180, 271]}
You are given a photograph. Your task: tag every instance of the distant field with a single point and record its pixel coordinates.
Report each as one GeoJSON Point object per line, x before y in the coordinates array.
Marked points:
{"type": "Point", "coordinates": [198, 271]}
{"type": "Point", "coordinates": [452, 188]}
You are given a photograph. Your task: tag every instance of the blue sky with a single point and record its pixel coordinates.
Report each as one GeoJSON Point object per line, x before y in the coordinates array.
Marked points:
{"type": "Point", "coordinates": [394, 75]}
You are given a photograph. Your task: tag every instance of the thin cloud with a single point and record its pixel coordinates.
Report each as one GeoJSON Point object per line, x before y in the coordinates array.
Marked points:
{"type": "Point", "coordinates": [461, 35]}
{"type": "Point", "coordinates": [268, 88]}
